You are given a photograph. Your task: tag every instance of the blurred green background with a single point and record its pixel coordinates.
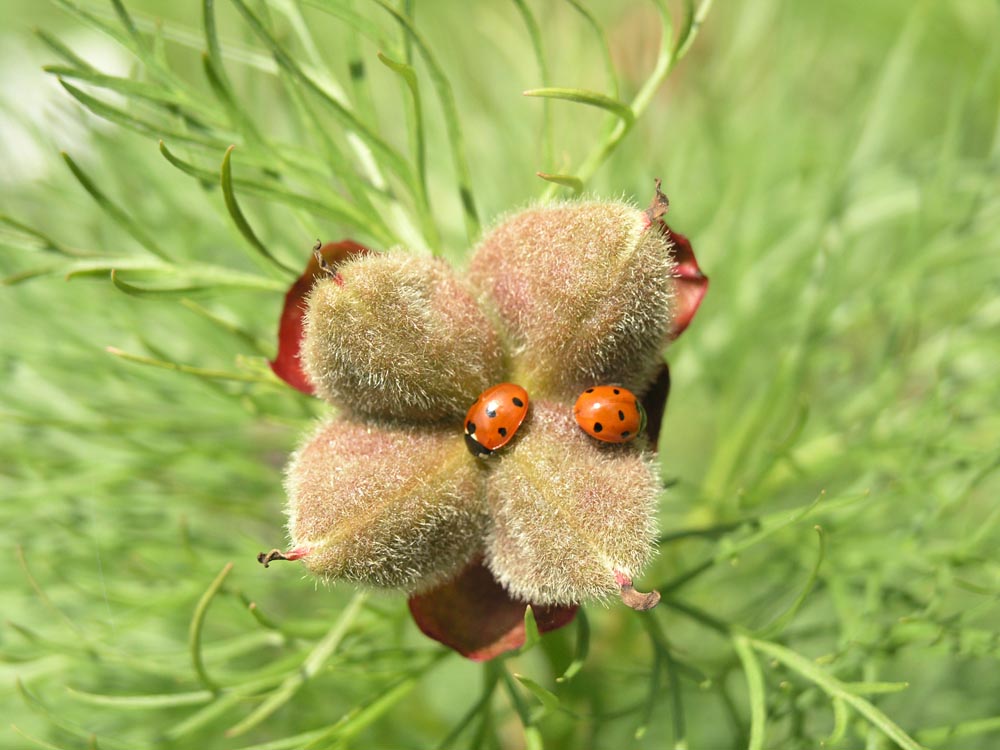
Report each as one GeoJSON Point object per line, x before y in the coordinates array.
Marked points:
{"type": "Point", "coordinates": [836, 168]}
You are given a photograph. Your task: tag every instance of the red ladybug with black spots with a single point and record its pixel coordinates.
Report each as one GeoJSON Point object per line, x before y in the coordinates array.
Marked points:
{"type": "Point", "coordinates": [492, 421]}
{"type": "Point", "coordinates": [610, 413]}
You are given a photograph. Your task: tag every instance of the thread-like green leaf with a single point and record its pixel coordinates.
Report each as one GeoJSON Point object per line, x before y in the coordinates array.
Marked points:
{"type": "Point", "coordinates": [317, 657]}
{"type": "Point", "coordinates": [567, 180]}
{"type": "Point", "coordinates": [70, 727]}
{"type": "Point", "coordinates": [136, 124]}
{"type": "Point", "coordinates": [653, 696]}
{"type": "Point", "coordinates": [532, 737]}
{"type": "Point", "coordinates": [602, 41]}
{"type": "Point", "coordinates": [386, 153]}
{"type": "Point", "coordinates": [549, 700]}
{"type": "Point", "coordinates": [62, 50]}
{"type": "Point", "coordinates": [582, 647]}
{"type": "Point", "coordinates": [531, 635]}
{"type": "Point", "coordinates": [240, 220]}
{"type": "Point", "coordinates": [164, 700]}
{"type": "Point", "coordinates": [938, 735]}
{"type": "Point", "coordinates": [196, 371]}
{"type": "Point", "coordinates": [198, 622]}
{"type": "Point", "coordinates": [836, 689]}
{"type": "Point", "coordinates": [34, 740]}
{"type": "Point", "coordinates": [333, 207]}
{"type": "Point", "coordinates": [783, 620]}
{"type": "Point", "coordinates": [755, 689]}
{"type": "Point", "coordinates": [590, 98]}
{"type": "Point", "coordinates": [130, 88]}
{"type": "Point", "coordinates": [119, 216]}
{"type": "Point", "coordinates": [841, 717]}
{"type": "Point", "coordinates": [535, 34]}
{"type": "Point", "coordinates": [409, 77]}
{"type": "Point", "coordinates": [452, 123]}
{"type": "Point", "coordinates": [136, 291]}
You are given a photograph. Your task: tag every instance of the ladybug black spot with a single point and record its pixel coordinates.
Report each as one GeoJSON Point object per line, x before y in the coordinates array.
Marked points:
{"type": "Point", "coordinates": [590, 390]}
{"type": "Point", "coordinates": [470, 427]}
{"type": "Point", "coordinates": [617, 391]}
{"type": "Point", "coordinates": [598, 427]}
{"type": "Point", "coordinates": [626, 434]}
{"type": "Point", "coordinates": [503, 432]}
{"type": "Point", "coordinates": [491, 413]}
{"type": "Point", "coordinates": [621, 416]}
{"type": "Point", "coordinates": [475, 448]}
{"type": "Point", "coordinates": [517, 402]}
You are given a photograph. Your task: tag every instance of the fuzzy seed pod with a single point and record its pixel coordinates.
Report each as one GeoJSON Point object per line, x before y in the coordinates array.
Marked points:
{"type": "Point", "coordinates": [396, 336]}
{"type": "Point", "coordinates": [384, 505]}
{"type": "Point", "coordinates": [586, 291]}
{"type": "Point", "coordinates": [573, 519]}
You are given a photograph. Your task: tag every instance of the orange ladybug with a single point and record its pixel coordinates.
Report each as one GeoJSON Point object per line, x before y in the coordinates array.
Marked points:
{"type": "Point", "coordinates": [610, 413]}
{"type": "Point", "coordinates": [492, 421]}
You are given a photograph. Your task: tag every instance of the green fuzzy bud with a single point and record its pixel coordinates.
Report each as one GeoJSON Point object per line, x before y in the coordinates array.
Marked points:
{"type": "Point", "coordinates": [385, 505]}
{"type": "Point", "coordinates": [586, 291]}
{"type": "Point", "coordinates": [573, 519]}
{"type": "Point", "coordinates": [394, 336]}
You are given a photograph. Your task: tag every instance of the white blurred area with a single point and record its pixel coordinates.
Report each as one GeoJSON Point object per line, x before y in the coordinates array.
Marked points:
{"type": "Point", "coordinates": [38, 118]}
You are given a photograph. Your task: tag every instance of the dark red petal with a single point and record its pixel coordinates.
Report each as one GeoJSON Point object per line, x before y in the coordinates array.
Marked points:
{"type": "Point", "coordinates": [475, 616]}
{"type": "Point", "coordinates": [654, 400]}
{"type": "Point", "coordinates": [691, 282]}
{"type": "Point", "coordinates": [287, 365]}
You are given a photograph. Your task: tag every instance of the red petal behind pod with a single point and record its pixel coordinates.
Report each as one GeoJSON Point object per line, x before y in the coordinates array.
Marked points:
{"type": "Point", "coordinates": [286, 365]}
{"type": "Point", "coordinates": [691, 282]}
{"type": "Point", "coordinates": [655, 402]}
{"type": "Point", "coordinates": [475, 616]}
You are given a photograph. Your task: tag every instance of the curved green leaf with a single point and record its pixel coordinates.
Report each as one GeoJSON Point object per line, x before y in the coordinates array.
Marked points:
{"type": "Point", "coordinates": [452, 123]}
{"type": "Point", "coordinates": [239, 219]}
{"type": "Point", "coordinates": [567, 180]}
{"type": "Point", "coordinates": [121, 218]}
{"type": "Point", "coordinates": [590, 98]}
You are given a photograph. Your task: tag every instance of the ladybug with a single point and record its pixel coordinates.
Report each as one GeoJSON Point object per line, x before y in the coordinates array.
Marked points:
{"type": "Point", "coordinates": [610, 413]}
{"type": "Point", "coordinates": [492, 421]}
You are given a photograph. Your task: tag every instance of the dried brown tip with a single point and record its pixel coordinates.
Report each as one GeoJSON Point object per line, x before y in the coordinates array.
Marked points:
{"type": "Point", "coordinates": [659, 205]}
{"type": "Point", "coordinates": [324, 266]}
{"type": "Point", "coordinates": [637, 600]}
{"type": "Point", "coordinates": [266, 558]}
